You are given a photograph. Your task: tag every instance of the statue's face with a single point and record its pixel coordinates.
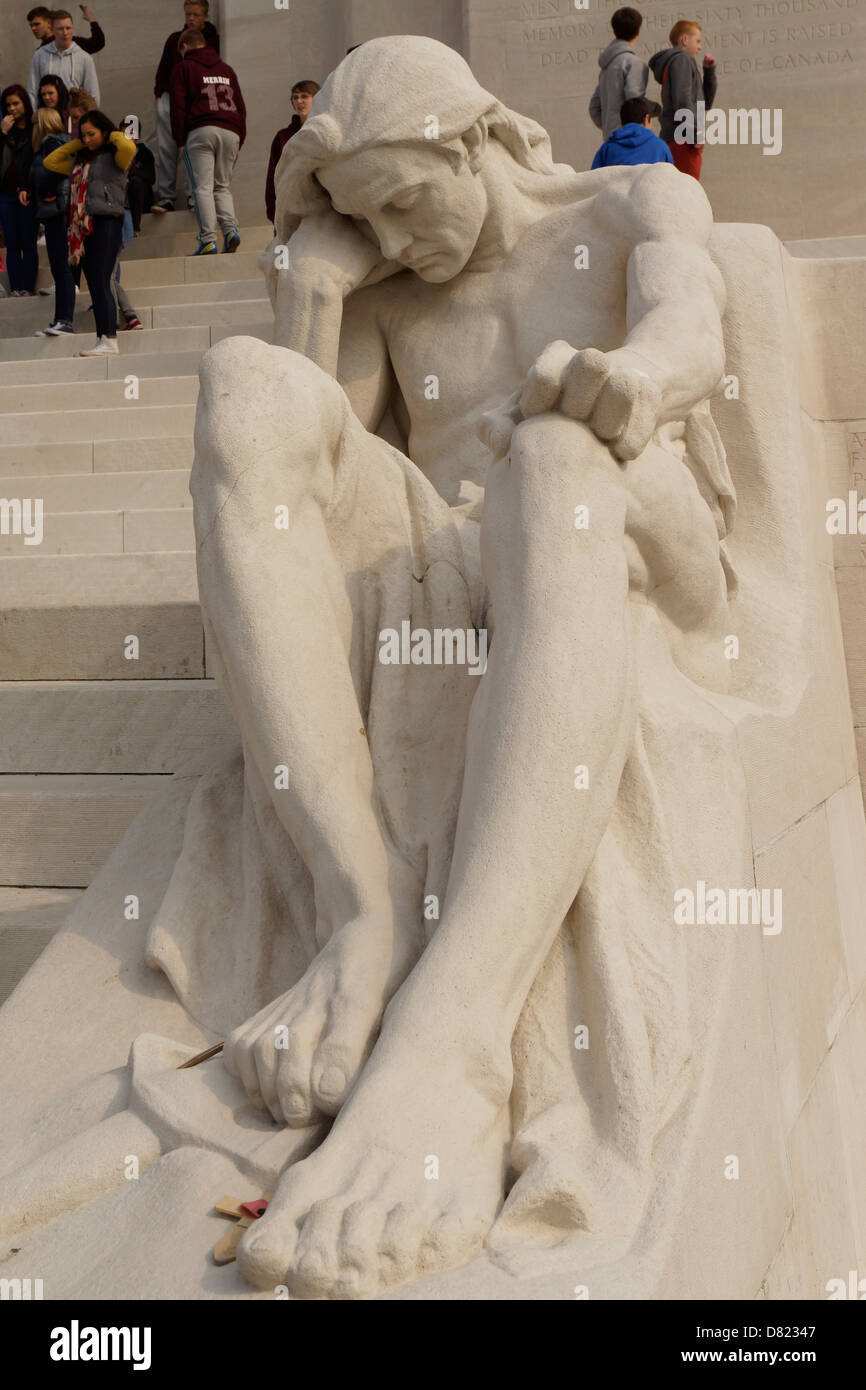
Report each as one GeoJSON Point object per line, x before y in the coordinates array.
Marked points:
{"type": "Point", "coordinates": [425, 213]}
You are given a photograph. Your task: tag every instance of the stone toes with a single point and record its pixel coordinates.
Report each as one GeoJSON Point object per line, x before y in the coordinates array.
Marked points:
{"type": "Point", "coordinates": [449, 1242]}
{"type": "Point", "coordinates": [315, 1267]}
{"type": "Point", "coordinates": [294, 1064]}
{"type": "Point", "coordinates": [401, 1241]}
{"type": "Point", "coordinates": [265, 1252]}
{"type": "Point", "coordinates": [361, 1234]}
{"type": "Point", "coordinates": [340, 1055]}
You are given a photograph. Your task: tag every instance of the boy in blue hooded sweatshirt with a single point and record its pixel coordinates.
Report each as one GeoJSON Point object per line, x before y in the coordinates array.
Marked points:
{"type": "Point", "coordinates": [633, 142]}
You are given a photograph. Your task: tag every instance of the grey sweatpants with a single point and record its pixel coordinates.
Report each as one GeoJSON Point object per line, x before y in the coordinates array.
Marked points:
{"type": "Point", "coordinates": [166, 178]}
{"type": "Point", "coordinates": [210, 155]}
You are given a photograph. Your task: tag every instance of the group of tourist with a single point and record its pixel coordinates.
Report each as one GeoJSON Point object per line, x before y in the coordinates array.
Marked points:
{"type": "Point", "coordinates": [622, 111]}
{"type": "Point", "coordinates": [67, 168]}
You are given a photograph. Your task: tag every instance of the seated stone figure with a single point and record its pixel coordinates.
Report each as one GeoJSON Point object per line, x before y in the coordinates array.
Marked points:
{"type": "Point", "coordinates": [570, 325]}
{"type": "Point", "coordinates": [433, 904]}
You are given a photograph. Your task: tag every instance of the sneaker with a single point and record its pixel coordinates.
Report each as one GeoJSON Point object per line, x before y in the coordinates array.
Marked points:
{"type": "Point", "coordinates": [232, 241]}
{"type": "Point", "coordinates": [103, 347]}
{"type": "Point", "coordinates": [25, 294]}
{"type": "Point", "coordinates": [190, 204]}
{"type": "Point", "coordinates": [47, 289]}
{"type": "Point", "coordinates": [207, 248]}
{"type": "Point", "coordinates": [134, 322]}
{"type": "Point", "coordinates": [58, 328]}
{"type": "Point", "coordinates": [164, 206]}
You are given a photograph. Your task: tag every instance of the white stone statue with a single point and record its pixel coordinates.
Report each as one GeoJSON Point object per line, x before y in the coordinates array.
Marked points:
{"type": "Point", "coordinates": [569, 326]}
{"type": "Point", "coordinates": [433, 902]}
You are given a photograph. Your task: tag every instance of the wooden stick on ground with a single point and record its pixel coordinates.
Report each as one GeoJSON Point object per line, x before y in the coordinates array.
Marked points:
{"type": "Point", "coordinates": [201, 1056]}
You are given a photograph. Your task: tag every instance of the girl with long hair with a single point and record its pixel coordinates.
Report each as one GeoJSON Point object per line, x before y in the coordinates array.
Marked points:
{"type": "Point", "coordinates": [16, 218]}
{"type": "Point", "coordinates": [96, 165]}
{"type": "Point", "coordinates": [53, 93]}
{"type": "Point", "coordinates": [50, 201]}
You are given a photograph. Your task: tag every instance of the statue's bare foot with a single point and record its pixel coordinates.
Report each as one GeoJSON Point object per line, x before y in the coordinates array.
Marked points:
{"type": "Point", "coordinates": [301, 1054]}
{"type": "Point", "coordinates": [408, 1181]}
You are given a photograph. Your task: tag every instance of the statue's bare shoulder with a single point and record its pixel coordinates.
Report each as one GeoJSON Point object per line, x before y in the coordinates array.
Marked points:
{"type": "Point", "coordinates": [653, 202]}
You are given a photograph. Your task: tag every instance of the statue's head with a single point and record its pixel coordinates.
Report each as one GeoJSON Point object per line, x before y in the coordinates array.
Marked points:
{"type": "Point", "coordinates": [397, 139]}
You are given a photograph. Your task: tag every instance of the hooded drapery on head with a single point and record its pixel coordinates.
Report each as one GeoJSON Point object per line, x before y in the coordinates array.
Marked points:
{"type": "Point", "coordinates": [383, 94]}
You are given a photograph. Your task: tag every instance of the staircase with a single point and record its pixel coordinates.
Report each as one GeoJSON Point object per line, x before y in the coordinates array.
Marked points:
{"type": "Point", "coordinates": [88, 730]}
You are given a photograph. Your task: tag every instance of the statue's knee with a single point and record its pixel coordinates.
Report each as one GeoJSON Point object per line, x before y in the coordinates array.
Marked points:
{"type": "Point", "coordinates": [264, 407]}
{"type": "Point", "coordinates": [542, 438]}
{"type": "Point", "coordinates": [557, 461]}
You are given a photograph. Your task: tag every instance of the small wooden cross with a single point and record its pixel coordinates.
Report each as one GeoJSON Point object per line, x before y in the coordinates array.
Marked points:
{"type": "Point", "coordinates": [245, 1213]}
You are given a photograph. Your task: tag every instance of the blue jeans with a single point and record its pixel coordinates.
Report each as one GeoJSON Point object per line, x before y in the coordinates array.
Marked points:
{"type": "Point", "coordinates": [58, 259]}
{"type": "Point", "coordinates": [19, 229]}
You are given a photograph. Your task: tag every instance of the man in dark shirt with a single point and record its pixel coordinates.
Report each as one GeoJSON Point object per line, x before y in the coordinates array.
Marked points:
{"type": "Point", "coordinates": [209, 123]}
{"type": "Point", "coordinates": [302, 99]}
{"type": "Point", "coordinates": [42, 29]}
{"type": "Point", "coordinates": [195, 15]}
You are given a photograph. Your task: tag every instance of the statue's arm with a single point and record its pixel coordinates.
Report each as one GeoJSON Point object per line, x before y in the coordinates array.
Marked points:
{"type": "Point", "coordinates": [672, 356]}
{"type": "Point", "coordinates": [364, 366]}
{"type": "Point", "coordinates": [675, 295]}
{"type": "Point", "coordinates": [329, 259]}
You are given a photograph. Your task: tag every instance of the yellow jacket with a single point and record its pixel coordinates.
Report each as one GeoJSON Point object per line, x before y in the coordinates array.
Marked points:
{"type": "Point", "coordinates": [61, 160]}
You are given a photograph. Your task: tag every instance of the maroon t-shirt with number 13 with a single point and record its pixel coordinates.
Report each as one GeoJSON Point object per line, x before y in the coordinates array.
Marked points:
{"type": "Point", "coordinates": [205, 91]}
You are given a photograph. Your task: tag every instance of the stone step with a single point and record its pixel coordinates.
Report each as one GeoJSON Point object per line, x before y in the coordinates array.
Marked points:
{"type": "Point", "coordinates": [169, 223]}
{"type": "Point", "coordinates": [165, 243]}
{"type": "Point", "coordinates": [166, 270]}
{"type": "Point", "coordinates": [178, 315]}
{"type": "Point", "coordinates": [70, 533]}
{"type": "Point", "coordinates": [165, 340]}
{"type": "Point", "coordinates": [132, 421]}
{"type": "Point", "coordinates": [188, 270]}
{"type": "Point", "coordinates": [215, 292]}
{"type": "Point", "coordinates": [129, 726]}
{"type": "Point", "coordinates": [100, 456]}
{"type": "Point", "coordinates": [35, 314]}
{"type": "Point", "coordinates": [51, 370]}
{"type": "Point", "coordinates": [32, 315]}
{"type": "Point", "coordinates": [154, 530]}
{"type": "Point", "coordinates": [125, 490]}
{"type": "Point", "coordinates": [171, 244]}
{"type": "Point", "coordinates": [70, 617]}
{"type": "Point", "coordinates": [58, 831]}
{"type": "Point", "coordinates": [68, 370]}
{"type": "Point", "coordinates": [29, 917]}
{"type": "Point", "coordinates": [149, 532]}
{"type": "Point", "coordinates": [183, 222]}
{"type": "Point", "coordinates": [96, 395]}
{"type": "Point", "coordinates": [259, 328]}
{"type": "Point", "coordinates": [195, 337]}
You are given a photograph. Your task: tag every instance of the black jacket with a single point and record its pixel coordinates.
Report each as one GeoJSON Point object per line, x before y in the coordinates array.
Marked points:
{"type": "Point", "coordinates": [16, 157]}
{"type": "Point", "coordinates": [143, 167]}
